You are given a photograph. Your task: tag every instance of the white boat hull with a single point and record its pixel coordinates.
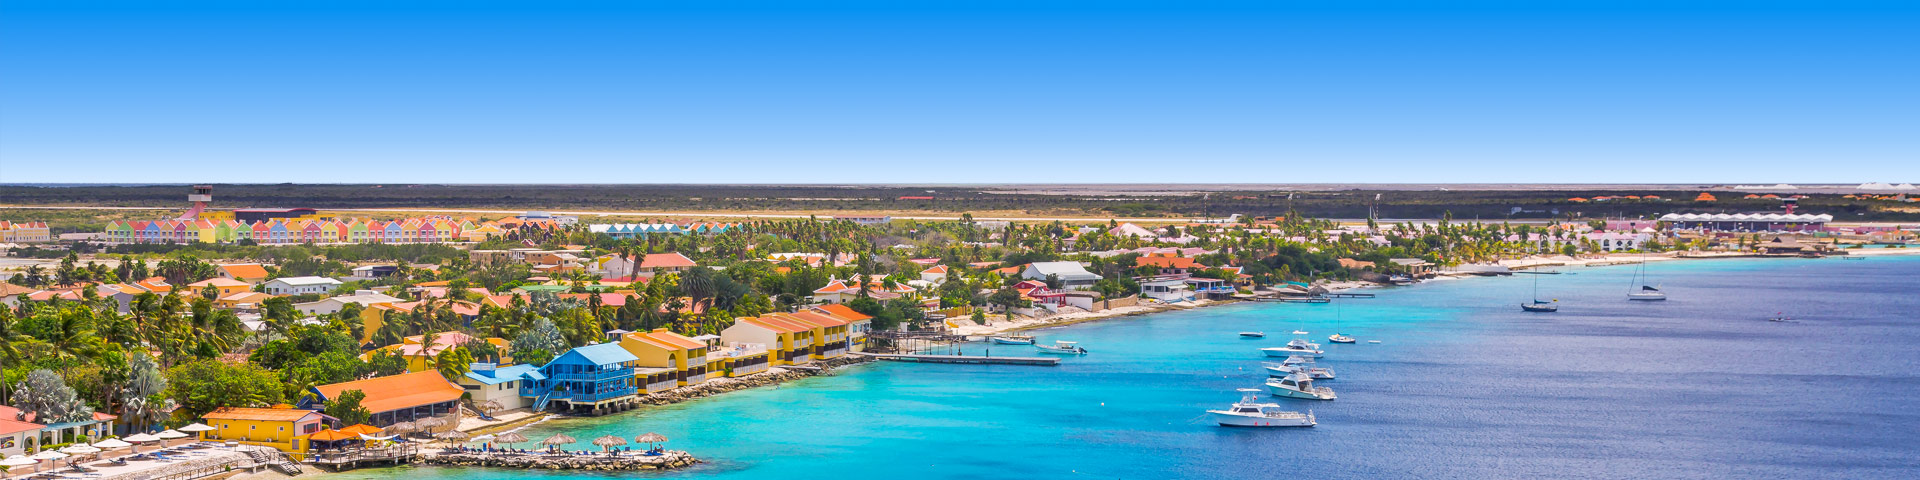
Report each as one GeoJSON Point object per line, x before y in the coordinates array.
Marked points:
{"type": "Point", "coordinates": [1230, 419]}
{"type": "Point", "coordinates": [1314, 372]}
{"type": "Point", "coordinates": [1288, 352]}
{"type": "Point", "coordinates": [1647, 297]}
{"type": "Point", "coordinates": [1319, 393]}
{"type": "Point", "coordinates": [1011, 341]}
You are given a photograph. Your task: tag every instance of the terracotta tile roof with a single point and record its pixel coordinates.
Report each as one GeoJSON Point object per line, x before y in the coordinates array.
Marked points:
{"type": "Point", "coordinates": [217, 282]}
{"type": "Point", "coordinates": [776, 324]}
{"type": "Point", "coordinates": [395, 392]}
{"type": "Point", "coordinates": [815, 319]}
{"type": "Point", "coordinates": [9, 427]}
{"type": "Point", "coordinates": [662, 336]}
{"type": "Point", "coordinates": [245, 270]}
{"type": "Point", "coordinates": [261, 414]}
{"type": "Point", "coordinates": [8, 290]}
{"type": "Point", "coordinates": [937, 269]}
{"type": "Point", "coordinates": [843, 312]}
{"type": "Point", "coordinates": [1165, 261]}
{"type": "Point", "coordinates": [666, 260]}
{"type": "Point", "coordinates": [835, 286]}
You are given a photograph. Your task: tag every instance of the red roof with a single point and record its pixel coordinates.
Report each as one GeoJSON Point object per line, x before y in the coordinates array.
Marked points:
{"type": "Point", "coordinates": [1165, 261]}
{"type": "Point", "coordinates": [843, 312]}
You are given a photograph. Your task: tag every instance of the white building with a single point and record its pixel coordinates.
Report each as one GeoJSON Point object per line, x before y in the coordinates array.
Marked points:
{"type": "Point", "coordinates": [1616, 242]}
{"type": "Point", "coordinates": [1072, 276]}
{"type": "Point", "coordinates": [300, 285]}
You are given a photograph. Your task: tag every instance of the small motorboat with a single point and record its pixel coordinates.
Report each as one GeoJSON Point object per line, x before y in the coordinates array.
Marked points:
{"type": "Point", "coordinates": [1013, 340]}
{"type": "Point", "coordinates": [1851, 257]}
{"type": "Point", "coordinates": [1248, 412]}
{"type": "Point", "coordinates": [1298, 386]}
{"type": "Point", "coordinates": [1340, 338]}
{"type": "Point", "coordinates": [1316, 373]}
{"type": "Point", "coordinates": [1253, 334]}
{"type": "Point", "coordinates": [1400, 280]}
{"type": "Point", "coordinates": [1296, 360]}
{"type": "Point", "coordinates": [1373, 341]}
{"type": "Point", "coordinates": [1062, 347]}
{"type": "Point", "coordinates": [1539, 306]}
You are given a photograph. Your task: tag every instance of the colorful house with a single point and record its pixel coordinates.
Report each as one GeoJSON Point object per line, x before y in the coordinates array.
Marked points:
{"type": "Point", "coordinates": [787, 342]}
{"type": "Point", "coordinates": [282, 428]}
{"type": "Point", "coordinates": [858, 324]}
{"type": "Point", "coordinates": [593, 379]}
{"type": "Point", "coordinates": [829, 334]}
{"type": "Point", "coordinates": [685, 357]}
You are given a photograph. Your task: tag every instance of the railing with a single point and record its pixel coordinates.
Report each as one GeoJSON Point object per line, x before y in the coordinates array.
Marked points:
{"type": "Point", "coordinates": [601, 396]}
{"type": "Point", "coordinates": [593, 376]}
{"type": "Point", "coordinates": [540, 404]}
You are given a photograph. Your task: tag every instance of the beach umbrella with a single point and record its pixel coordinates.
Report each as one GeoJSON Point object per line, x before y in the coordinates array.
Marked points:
{"type": "Point", "coordinates": [46, 455]}
{"type": "Point", "coordinates": [139, 438]}
{"type": "Point", "coordinates": [111, 443]}
{"type": "Point", "coordinates": [650, 439]}
{"type": "Point", "coordinates": [490, 406]}
{"type": "Point", "coordinates": [169, 435]}
{"type": "Point", "coordinates": [559, 439]}
{"type": "Point", "coordinates": [426, 425]}
{"type": "Point", "coordinates": [78, 449]}
{"type": "Point", "coordinates": [510, 438]}
{"type": "Point", "coordinates": [19, 461]}
{"type": "Point", "coordinates": [607, 443]}
{"type": "Point", "coordinates": [196, 428]}
{"type": "Point", "coordinates": [402, 427]}
{"type": "Point", "coordinates": [451, 436]}
{"type": "Point", "coordinates": [361, 429]}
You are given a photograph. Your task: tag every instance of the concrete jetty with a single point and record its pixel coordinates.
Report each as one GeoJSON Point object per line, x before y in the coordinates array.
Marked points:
{"type": "Point", "coordinates": [667, 460]}
{"type": "Point", "coordinates": [1040, 361]}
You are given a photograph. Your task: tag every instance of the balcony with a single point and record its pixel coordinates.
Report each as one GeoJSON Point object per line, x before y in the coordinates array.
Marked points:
{"type": "Point", "coordinates": [592, 376]}
{"type": "Point", "coordinates": [596, 397]}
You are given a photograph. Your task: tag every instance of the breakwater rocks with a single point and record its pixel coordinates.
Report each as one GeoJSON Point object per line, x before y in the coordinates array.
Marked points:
{"type": "Point", "coordinates": [671, 459]}
{"type": "Point", "coordinates": [770, 377]}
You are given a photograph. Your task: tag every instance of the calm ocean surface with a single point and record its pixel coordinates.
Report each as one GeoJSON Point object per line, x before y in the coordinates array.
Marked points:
{"type": "Point", "coordinates": [1463, 385]}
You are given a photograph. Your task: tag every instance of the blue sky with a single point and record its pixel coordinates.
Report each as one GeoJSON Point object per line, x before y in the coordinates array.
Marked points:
{"type": "Point", "coordinates": [1035, 91]}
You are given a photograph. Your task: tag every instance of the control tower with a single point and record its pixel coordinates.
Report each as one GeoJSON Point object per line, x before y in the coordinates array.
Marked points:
{"type": "Point", "coordinates": [200, 196]}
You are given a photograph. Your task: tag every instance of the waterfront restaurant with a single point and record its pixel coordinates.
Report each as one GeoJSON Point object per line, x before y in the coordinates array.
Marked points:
{"type": "Point", "coordinates": [396, 398]}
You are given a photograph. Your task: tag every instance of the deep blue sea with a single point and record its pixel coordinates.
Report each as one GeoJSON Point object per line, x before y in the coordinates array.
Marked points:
{"type": "Point", "coordinates": [1462, 385]}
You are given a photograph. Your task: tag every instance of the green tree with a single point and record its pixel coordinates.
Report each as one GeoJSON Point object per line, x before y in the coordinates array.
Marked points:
{"type": "Point", "coordinates": [453, 363]}
{"type": "Point", "coordinates": [346, 407]}
{"type": "Point", "coordinates": [45, 395]}
{"type": "Point", "coordinates": [203, 385]}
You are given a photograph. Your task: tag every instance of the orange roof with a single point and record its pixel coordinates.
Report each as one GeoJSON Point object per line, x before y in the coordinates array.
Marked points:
{"type": "Point", "coordinates": [665, 260]}
{"type": "Point", "coordinates": [1165, 261]}
{"type": "Point", "coordinates": [261, 414]}
{"type": "Point", "coordinates": [843, 312]}
{"type": "Point", "coordinates": [777, 325]}
{"type": "Point", "coordinates": [245, 270]}
{"type": "Point", "coordinates": [816, 319]}
{"type": "Point", "coordinates": [835, 286]}
{"type": "Point", "coordinates": [155, 285]}
{"type": "Point", "coordinates": [661, 335]}
{"type": "Point", "coordinates": [217, 282]}
{"type": "Point", "coordinates": [1015, 270]}
{"type": "Point", "coordinates": [394, 392]}
{"type": "Point", "coordinates": [937, 269]}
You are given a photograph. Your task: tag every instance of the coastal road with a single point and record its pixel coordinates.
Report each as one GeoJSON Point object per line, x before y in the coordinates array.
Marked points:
{"type": "Point", "coordinates": [604, 213]}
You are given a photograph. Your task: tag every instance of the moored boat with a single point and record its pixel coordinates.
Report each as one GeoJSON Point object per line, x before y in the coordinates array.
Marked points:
{"type": "Point", "coordinates": [1539, 306]}
{"type": "Point", "coordinates": [1340, 338]}
{"type": "Point", "coordinates": [1311, 371]}
{"type": "Point", "coordinates": [1295, 348]}
{"type": "Point", "coordinates": [1248, 412]}
{"type": "Point", "coordinates": [1062, 347]}
{"type": "Point", "coordinates": [1298, 386]}
{"type": "Point", "coordinates": [1253, 334]}
{"type": "Point", "coordinates": [1647, 293]}
{"type": "Point", "coordinates": [1013, 340]}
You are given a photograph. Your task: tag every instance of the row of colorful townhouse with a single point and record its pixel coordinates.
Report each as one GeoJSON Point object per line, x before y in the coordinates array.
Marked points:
{"type": "Point", "coordinates": [642, 230]}
{"type": "Point", "coordinates": [24, 232]}
{"type": "Point", "coordinates": [289, 231]}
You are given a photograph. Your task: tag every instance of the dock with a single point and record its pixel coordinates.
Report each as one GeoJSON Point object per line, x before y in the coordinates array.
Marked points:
{"type": "Point", "coordinates": [1349, 295]}
{"type": "Point", "coordinates": [964, 359]}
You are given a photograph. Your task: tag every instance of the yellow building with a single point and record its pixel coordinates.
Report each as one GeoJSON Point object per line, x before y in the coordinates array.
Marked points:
{"type": "Point", "coordinates": [663, 349]}
{"type": "Point", "coordinates": [787, 342]}
{"type": "Point", "coordinates": [829, 334]}
{"type": "Point", "coordinates": [226, 286]}
{"type": "Point", "coordinates": [282, 428]}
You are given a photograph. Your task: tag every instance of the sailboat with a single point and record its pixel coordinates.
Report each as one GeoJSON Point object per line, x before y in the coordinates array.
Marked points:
{"type": "Point", "coordinates": [1539, 305]}
{"type": "Point", "coordinates": [1645, 292]}
{"type": "Point", "coordinates": [1338, 337]}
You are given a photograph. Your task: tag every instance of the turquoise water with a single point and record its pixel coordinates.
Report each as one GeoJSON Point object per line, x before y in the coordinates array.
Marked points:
{"type": "Point", "coordinates": [1463, 385]}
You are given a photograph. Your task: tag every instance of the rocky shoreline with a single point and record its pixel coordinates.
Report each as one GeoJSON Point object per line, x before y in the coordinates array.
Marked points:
{"type": "Point", "coordinates": [771, 376]}
{"type": "Point", "coordinates": [671, 459]}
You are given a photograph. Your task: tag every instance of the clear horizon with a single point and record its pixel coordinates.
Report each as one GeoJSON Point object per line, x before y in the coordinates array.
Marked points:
{"type": "Point", "coordinates": [982, 92]}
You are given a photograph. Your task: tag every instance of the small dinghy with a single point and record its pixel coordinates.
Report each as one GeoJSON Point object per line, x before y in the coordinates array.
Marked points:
{"type": "Point", "coordinates": [1253, 334]}
{"type": "Point", "coordinates": [1013, 340]}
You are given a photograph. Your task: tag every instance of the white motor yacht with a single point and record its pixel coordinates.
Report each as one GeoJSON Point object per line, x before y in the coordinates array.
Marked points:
{"type": "Point", "coordinates": [1298, 346]}
{"type": "Point", "coordinates": [1249, 413]}
{"type": "Point", "coordinates": [1315, 372]}
{"type": "Point", "coordinates": [1298, 386]}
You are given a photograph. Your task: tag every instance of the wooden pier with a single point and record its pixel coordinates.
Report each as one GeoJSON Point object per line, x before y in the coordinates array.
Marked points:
{"type": "Point", "coordinates": [964, 359]}
{"type": "Point", "coordinates": [1350, 295]}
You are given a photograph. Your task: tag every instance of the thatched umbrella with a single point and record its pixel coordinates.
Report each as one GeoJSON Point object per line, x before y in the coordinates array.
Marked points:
{"type": "Point", "coordinates": [607, 443]}
{"type": "Point", "coordinates": [490, 406]}
{"type": "Point", "coordinates": [557, 440]}
{"type": "Point", "coordinates": [510, 438]}
{"type": "Point", "coordinates": [402, 427]}
{"type": "Point", "coordinates": [428, 424]}
{"type": "Point", "coordinates": [650, 438]}
{"type": "Point", "coordinates": [451, 436]}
